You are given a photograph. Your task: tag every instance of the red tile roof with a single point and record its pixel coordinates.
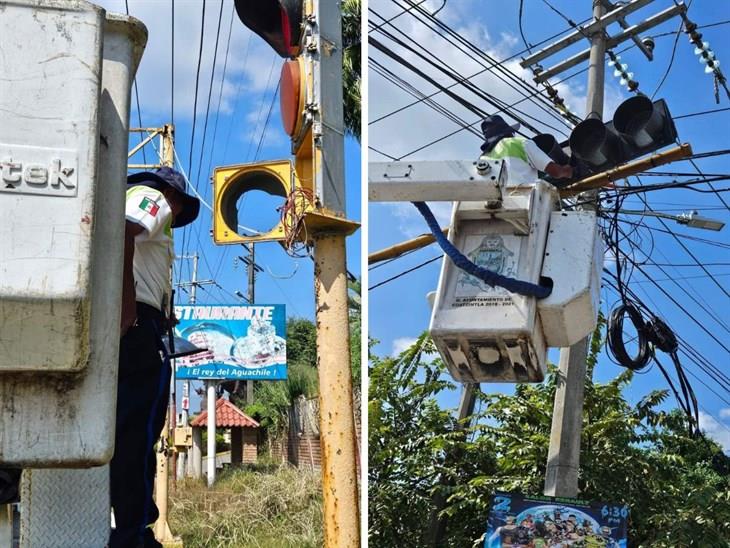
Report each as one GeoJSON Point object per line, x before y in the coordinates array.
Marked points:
{"type": "Point", "coordinates": [227, 415]}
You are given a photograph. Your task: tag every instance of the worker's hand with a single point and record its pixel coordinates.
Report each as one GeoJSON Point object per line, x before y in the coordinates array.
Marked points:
{"type": "Point", "coordinates": [558, 171]}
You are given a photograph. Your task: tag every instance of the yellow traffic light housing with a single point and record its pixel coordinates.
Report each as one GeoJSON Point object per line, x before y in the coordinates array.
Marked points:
{"type": "Point", "coordinates": [311, 115]}
{"type": "Point", "coordinates": [231, 182]}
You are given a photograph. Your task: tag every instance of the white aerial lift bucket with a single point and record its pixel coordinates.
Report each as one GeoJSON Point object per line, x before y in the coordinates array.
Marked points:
{"type": "Point", "coordinates": [64, 110]}
{"type": "Point", "coordinates": [488, 334]}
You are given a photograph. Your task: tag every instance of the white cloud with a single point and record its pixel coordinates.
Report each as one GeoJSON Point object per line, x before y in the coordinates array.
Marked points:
{"type": "Point", "coordinates": [725, 413]}
{"type": "Point", "coordinates": [402, 343]}
{"type": "Point", "coordinates": [718, 431]}
{"type": "Point", "coordinates": [410, 221]}
{"type": "Point", "coordinates": [250, 60]}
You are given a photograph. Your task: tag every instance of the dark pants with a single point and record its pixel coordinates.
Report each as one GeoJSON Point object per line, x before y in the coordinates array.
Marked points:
{"type": "Point", "coordinates": [142, 396]}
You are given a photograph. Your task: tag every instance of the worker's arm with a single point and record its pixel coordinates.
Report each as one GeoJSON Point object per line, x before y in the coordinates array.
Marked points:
{"type": "Point", "coordinates": [559, 172]}
{"type": "Point", "coordinates": [129, 297]}
{"type": "Point", "coordinates": [542, 162]}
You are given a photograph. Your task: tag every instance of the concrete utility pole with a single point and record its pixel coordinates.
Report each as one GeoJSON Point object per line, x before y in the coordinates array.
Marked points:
{"type": "Point", "coordinates": [210, 387]}
{"type": "Point", "coordinates": [251, 270]}
{"type": "Point", "coordinates": [561, 477]}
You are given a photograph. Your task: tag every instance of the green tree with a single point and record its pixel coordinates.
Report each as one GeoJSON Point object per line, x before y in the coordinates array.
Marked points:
{"type": "Point", "coordinates": [355, 312]}
{"type": "Point", "coordinates": [351, 65]}
{"type": "Point", "coordinates": [272, 399]}
{"type": "Point", "coordinates": [301, 342]}
{"type": "Point", "coordinates": [676, 486]}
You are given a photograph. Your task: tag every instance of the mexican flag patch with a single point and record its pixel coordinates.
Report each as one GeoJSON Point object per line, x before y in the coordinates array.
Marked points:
{"type": "Point", "coordinates": [149, 206]}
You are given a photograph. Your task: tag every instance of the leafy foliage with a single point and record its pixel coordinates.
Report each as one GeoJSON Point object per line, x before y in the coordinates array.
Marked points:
{"type": "Point", "coordinates": [272, 399]}
{"type": "Point", "coordinates": [355, 311]}
{"type": "Point", "coordinates": [301, 342]}
{"type": "Point", "coordinates": [638, 455]}
{"type": "Point", "coordinates": [351, 65]}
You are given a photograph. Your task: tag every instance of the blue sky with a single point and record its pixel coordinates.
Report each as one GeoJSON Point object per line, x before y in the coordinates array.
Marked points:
{"type": "Point", "coordinates": [251, 76]}
{"type": "Point", "coordinates": [398, 310]}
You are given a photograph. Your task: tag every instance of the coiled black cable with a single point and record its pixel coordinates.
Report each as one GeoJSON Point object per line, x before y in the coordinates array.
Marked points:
{"type": "Point", "coordinates": [615, 337]}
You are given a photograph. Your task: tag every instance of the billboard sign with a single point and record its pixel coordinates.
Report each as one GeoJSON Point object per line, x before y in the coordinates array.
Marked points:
{"type": "Point", "coordinates": [244, 342]}
{"type": "Point", "coordinates": [550, 522]}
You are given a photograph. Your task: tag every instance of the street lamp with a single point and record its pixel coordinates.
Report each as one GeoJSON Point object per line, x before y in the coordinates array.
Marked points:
{"type": "Point", "coordinates": [691, 219]}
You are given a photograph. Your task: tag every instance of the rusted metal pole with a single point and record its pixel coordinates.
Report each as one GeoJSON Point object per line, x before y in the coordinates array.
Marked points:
{"type": "Point", "coordinates": [398, 249]}
{"type": "Point", "coordinates": [607, 178]}
{"type": "Point", "coordinates": [337, 425]}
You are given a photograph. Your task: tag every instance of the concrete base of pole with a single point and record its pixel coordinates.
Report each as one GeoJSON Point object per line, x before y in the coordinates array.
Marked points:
{"type": "Point", "coordinates": [337, 425]}
{"type": "Point", "coordinates": [561, 476]}
{"type": "Point", "coordinates": [195, 466]}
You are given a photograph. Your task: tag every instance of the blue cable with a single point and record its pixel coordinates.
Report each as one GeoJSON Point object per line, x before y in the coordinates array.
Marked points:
{"type": "Point", "coordinates": [462, 261]}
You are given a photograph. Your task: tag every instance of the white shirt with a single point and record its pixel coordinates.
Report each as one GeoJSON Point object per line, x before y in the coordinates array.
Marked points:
{"type": "Point", "coordinates": [153, 247]}
{"type": "Point", "coordinates": [522, 159]}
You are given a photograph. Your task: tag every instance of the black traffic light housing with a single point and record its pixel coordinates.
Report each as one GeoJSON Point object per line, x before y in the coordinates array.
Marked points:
{"type": "Point", "coordinates": [278, 22]}
{"type": "Point", "coordinates": [639, 127]}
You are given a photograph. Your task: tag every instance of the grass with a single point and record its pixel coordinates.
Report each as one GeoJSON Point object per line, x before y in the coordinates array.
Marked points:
{"type": "Point", "coordinates": [266, 506]}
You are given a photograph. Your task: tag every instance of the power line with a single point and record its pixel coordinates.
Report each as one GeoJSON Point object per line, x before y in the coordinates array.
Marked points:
{"type": "Point", "coordinates": [527, 46]}
{"type": "Point", "coordinates": [403, 12]}
{"type": "Point", "coordinates": [266, 123]}
{"type": "Point", "coordinates": [195, 113]}
{"type": "Point", "coordinates": [671, 60]}
{"type": "Point", "coordinates": [475, 74]}
{"type": "Point", "coordinates": [261, 107]}
{"type": "Point", "coordinates": [236, 100]}
{"type": "Point", "coordinates": [436, 258]}
{"type": "Point", "coordinates": [210, 91]}
{"type": "Point", "coordinates": [714, 111]}
{"type": "Point", "coordinates": [470, 86]}
{"type": "Point", "coordinates": [476, 53]}
{"type": "Point", "coordinates": [220, 97]}
{"type": "Point", "coordinates": [197, 80]}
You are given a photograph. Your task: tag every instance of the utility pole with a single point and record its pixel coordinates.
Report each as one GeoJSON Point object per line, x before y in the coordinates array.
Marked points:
{"type": "Point", "coordinates": [211, 401]}
{"type": "Point", "coordinates": [309, 35]}
{"type": "Point", "coordinates": [563, 464]}
{"type": "Point", "coordinates": [251, 270]}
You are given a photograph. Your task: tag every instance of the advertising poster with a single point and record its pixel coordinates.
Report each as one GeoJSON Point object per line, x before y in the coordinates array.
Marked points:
{"type": "Point", "coordinates": [244, 342]}
{"type": "Point", "coordinates": [552, 522]}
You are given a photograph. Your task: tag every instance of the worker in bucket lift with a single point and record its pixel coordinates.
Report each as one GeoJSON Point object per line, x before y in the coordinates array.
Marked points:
{"type": "Point", "coordinates": [523, 159]}
{"type": "Point", "coordinates": [156, 203]}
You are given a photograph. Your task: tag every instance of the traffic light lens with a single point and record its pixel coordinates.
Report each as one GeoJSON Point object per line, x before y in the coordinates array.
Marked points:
{"type": "Point", "coordinates": [595, 144]}
{"type": "Point", "coordinates": [251, 185]}
{"type": "Point", "coordinates": [550, 146]}
{"type": "Point", "coordinates": [292, 96]}
{"type": "Point", "coordinates": [278, 22]}
{"type": "Point", "coordinates": [639, 121]}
